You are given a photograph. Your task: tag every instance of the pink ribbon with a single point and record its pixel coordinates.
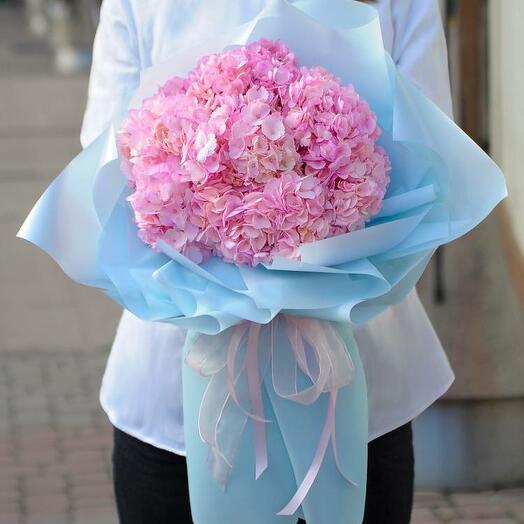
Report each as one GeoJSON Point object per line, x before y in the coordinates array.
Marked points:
{"type": "Point", "coordinates": [316, 349]}
{"type": "Point", "coordinates": [255, 395]}
{"type": "Point", "coordinates": [313, 470]}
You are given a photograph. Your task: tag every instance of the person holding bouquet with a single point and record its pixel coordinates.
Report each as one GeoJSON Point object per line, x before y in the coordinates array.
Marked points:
{"type": "Point", "coordinates": [144, 403]}
{"type": "Point", "coordinates": [262, 185]}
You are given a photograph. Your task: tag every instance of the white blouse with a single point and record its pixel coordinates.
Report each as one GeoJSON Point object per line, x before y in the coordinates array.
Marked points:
{"type": "Point", "coordinates": [406, 367]}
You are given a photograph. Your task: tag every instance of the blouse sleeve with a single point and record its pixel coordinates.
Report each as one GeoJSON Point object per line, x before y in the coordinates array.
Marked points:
{"type": "Point", "coordinates": [419, 48]}
{"type": "Point", "coordinates": [115, 69]}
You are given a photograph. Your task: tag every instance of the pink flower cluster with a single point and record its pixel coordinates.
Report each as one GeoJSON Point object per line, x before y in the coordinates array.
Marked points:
{"type": "Point", "coordinates": [250, 156]}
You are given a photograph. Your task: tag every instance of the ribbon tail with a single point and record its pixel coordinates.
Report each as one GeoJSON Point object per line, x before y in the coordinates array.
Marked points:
{"type": "Point", "coordinates": [234, 348]}
{"type": "Point", "coordinates": [255, 395]}
{"type": "Point", "coordinates": [337, 459]}
{"type": "Point", "coordinates": [291, 507]}
{"type": "Point", "coordinates": [214, 407]}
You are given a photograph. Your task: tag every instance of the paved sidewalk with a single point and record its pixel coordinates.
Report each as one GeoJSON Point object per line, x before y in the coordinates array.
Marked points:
{"type": "Point", "coordinates": [54, 439]}
{"type": "Point", "coordinates": [40, 116]}
{"type": "Point", "coordinates": [488, 507]}
{"type": "Point", "coordinates": [55, 445]}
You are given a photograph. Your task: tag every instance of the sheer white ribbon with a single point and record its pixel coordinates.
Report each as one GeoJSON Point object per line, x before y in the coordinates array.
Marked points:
{"type": "Point", "coordinates": [307, 358]}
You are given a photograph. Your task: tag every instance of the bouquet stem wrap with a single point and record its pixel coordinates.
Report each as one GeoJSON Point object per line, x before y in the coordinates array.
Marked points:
{"type": "Point", "coordinates": [264, 389]}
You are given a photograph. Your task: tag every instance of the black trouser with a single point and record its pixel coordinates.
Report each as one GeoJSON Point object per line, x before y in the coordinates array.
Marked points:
{"type": "Point", "coordinates": [151, 484]}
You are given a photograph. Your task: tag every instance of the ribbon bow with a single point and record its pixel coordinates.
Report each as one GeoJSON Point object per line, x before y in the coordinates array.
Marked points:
{"type": "Point", "coordinates": [306, 357]}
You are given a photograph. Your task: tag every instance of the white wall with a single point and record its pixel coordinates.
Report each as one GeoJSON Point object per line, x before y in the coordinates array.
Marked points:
{"type": "Point", "coordinates": [506, 63]}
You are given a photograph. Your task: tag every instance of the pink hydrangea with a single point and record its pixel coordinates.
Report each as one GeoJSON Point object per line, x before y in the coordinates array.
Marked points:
{"type": "Point", "coordinates": [250, 156]}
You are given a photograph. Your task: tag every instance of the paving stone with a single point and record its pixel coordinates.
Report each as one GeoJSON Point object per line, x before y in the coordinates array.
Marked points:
{"type": "Point", "coordinates": [428, 499]}
{"type": "Point", "coordinates": [9, 496]}
{"type": "Point", "coordinates": [445, 513]}
{"type": "Point", "coordinates": [42, 436]}
{"type": "Point", "coordinates": [105, 508]}
{"type": "Point", "coordinates": [483, 521]}
{"type": "Point", "coordinates": [510, 495]}
{"type": "Point", "coordinates": [8, 517]}
{"type": "Point", "coordinates": [5, 424]}
{"type": "Point", "coordinates": [423, 515]}
{"type": "Point", "coordinates": [8, 484]}
{"type": "Point", "coordinates": [24, 158]}
{"type": "Point", "coordinates": [7, 461]}
{"type": "Point", "coordinates": [48, 504]}
{"type": "Point", "coordinates": [9, 507]}
{"type": "Point", "coordinates": [77, 479]}
{"type": "Point", "coordinates": [89, 491]}
{"type": "Point", "coordinates": [100, 441]}
{"type": "Point", "coordinates": [51, 328]}
{"type": "Point", "coordinates": [468, 499]}
{"type": "Point", "coordinates": [61, 115]}
{"type": "Point", "coordinates": [101, 505]}
{"type": "Point", "coordinates": [39, 519]}
{"type": "Point", "coordinates": [481, 511]}
{"type": "Point", "coordinates": [32, 417]}
{"type": "Point", "coordinates": [49, 485]}
{"type": "Point", "coordinates": [42, 461]}
{"type": "Point", "coordinates": [516, 508]}
{"type": "Point", "coordinates": [109, 519]}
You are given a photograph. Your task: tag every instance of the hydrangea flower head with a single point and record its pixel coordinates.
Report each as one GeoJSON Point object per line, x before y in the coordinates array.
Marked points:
{"type": "Point", "coordinates": [250, 156]}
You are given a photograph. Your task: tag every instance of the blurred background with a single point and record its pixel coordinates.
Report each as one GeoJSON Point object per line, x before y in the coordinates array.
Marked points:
{"type": "Point", "coordinates": [55, 335]}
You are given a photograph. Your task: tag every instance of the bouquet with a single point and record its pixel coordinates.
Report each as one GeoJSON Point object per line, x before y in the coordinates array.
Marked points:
{"type": "Point", "coordinates": [250, 156]}
{"type": "Point", "coordinates": [267, 188]}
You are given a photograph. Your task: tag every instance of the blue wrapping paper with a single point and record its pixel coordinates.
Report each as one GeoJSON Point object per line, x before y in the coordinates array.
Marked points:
{"type": "Point", "coordinates": [293, 433]}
